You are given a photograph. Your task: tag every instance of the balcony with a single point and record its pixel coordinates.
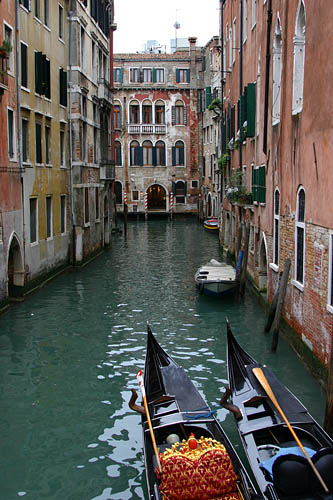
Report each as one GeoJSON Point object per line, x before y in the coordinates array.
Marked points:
{"type": "Point", "coordinates": [147, 129]}
{"type": "Point", "coordinates": [107, 170]}
{"type": "Point", "coordinates": [104, 90]}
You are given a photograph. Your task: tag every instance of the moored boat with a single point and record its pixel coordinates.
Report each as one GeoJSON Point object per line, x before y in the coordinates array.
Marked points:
{"type": "Point", "coordinates": [211, 224]}
{"type": "Point", "coordinates": [281, 468]}
{"type": "Point", "coordinates": [196, 458]}
{"type": "Point", "coordinates": [215, 278]}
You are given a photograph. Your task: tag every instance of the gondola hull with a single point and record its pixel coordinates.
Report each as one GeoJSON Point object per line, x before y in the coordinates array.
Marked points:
{"type": "Point", "coordinates": [267, 440]}
{"type": "Point", "coordinates": [176, 411]}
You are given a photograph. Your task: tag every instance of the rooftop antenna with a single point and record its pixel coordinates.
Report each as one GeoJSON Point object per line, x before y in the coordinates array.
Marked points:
{"type": "Point", "coordinates": [176, 26]}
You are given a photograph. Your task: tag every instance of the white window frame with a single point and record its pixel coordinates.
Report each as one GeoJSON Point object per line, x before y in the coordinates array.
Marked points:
{"type": "Point", "coordinates": [48, 144]}
{"type": "Point", "coordinates": [298, 64]}
{"type": "Point", "coordinates": [254, 14]}
{"type": "Point", "coordinates": [27, 142]}
{"type": "Point", "coordinates": [234, 42]}
{"type": "Point", "coordinates": [299, 225]}
{"type": "Point", "coordinates": [61, 22]}
{"type": "Point", "coordinates": [14, 157]}
{"type": "Point", "coordinates": [330, 273]}
{"type": "Point", "coordinates": [8, 29]}
{"type": "Point", "coordinates": [46, 9]}
{"type": "Point", "coordinates": [245, 20]}
{"type": "Point", "coordinates": [276, 234]}
{"type": "Point", "coordinates": [36, 242]}
{"type": "Point", "coordinates": [134, 71]}
{"type": "Point", "coordinates": [160, 72]}
{"type": "Point", "coordinates": [277, 73]}
{"type": "Point", "coordinates": [149, 72]}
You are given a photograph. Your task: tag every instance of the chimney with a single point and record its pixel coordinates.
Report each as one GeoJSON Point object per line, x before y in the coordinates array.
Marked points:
{"type": "Point", "coordinates": [193, 42]}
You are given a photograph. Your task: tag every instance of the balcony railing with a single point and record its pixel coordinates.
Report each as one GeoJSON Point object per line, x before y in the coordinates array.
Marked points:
{"type": "Point", "coordinates": [147, 129]}
{"type": "Point", "coordinates": [107, 170]}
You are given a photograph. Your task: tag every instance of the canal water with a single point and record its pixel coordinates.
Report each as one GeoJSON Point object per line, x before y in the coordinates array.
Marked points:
{"type": "Point", "coordinates": [69, 357]}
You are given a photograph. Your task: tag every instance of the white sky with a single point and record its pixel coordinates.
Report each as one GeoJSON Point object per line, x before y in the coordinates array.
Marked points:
{"type": "Point", "coordinates": [141, 20]}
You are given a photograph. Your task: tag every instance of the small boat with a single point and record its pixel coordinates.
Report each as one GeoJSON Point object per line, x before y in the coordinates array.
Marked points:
{"type": "Point", "coordinates": [215, 278]}
{"type": "Point", "coordinates": [211, 224]}
{"type": "Point", "coordinates": [277, 461]}
{"type": "Point", "coordinates": [197, 460]}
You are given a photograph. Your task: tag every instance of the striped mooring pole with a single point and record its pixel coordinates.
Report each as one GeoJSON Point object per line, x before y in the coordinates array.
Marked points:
{"type": "Point", "coordinates": [171, 204]}
{"type": "Point", "coordinates": [146, 206]}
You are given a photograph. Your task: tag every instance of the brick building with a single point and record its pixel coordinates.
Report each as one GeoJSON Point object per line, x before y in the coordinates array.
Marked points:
{"type": "Point", "coordinates": [156, 130]}
{"type": "Point", "coordinates": [278, 134]}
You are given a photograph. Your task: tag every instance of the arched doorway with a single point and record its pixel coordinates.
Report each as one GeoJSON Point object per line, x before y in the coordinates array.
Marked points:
{"type": "Point", "coordinates": [156, 196]}
{"type": "Point", "coordinates": [263, 265]}
{"type": "Point", "coordinates": [209, 205]}
{"type": "Point", "coordinates": [15, 267]}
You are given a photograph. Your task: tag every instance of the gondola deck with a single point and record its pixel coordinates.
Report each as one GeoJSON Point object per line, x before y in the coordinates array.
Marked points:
{"type": "Point", "coordinates": [177, 411]}
{"type": "Point", "coordinates": [266, 437]}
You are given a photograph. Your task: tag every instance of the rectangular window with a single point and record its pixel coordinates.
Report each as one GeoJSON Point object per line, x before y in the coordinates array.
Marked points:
{"type": "Point", "coordinates": [39, 154]}
{"type": "Point", "coordinates": [96, 203]}
{"type": "Point", "coordinates": [259, 184]}
{"type": "Point", "coordinates": [26, 4]}
{"type": "Point", "coordinates": [83, 50]}
{"type": "Point", "coordinates": [62, 87]}
{"type": "Point", "coordinates": [24, 65]}
{"type": "Point", "coordinates": [94, 61]}
{"type": "Point", "coordinates": [48, 159]}
{"type": "Point", "coordinates": [46, 12]}
{"type": "Point", "coordinates": [116, 117]}
{"type": "Point", "coordinates": [95, 145]}
{"type": "Point", "coordinates": [11, 134]}
{"type": "Point", "coordinates": [8, 36]}
{"type": "Point", "coordinates": [42, 75]}
{"type": "Point", "coordinates": [86, 205]}
{"type": "Point", "coordinates": [63, 213]}
{"type": "Point", "coordinates": [61, 22]}
{"type": "Point", "coordinates": [234, 37]}
{"type": "Point", "coordinates": [182, 75]}
{"type": "Point", "coordinates": [118, 75]}
{"type": "Point", "coordinates": [84, 139]}
{"type": "Point", "coordinates": [48, 217]}
{"type": "Point", "coordinates": [135, 195]}
{"type": "Point", "coordinates": [62, 148]}
{"type": "Point", "coordinates": [299, 254]}
{"type": "Point", "coordinates": [159, 75]}
{"type": "Point", "coordinates": [33, 220]}
{"type": "Point", "coordinates": [147, 75]}
{"type": "Point", "coordinates": [37, 8]}
{"type": "Point", "coordinates": [254, 13]}
{"type": "Point", "coordinates": [25, 140]}
{"type": "Point", "coordinates": [134, 75]}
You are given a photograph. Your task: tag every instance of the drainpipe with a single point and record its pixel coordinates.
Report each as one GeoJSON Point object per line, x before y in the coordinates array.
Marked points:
{"type": "Point", "coordinates": [222, 93]}
{"type": "Point", "coordinates": [268, 57]}
{"type": "Point", "coordinates": [70, 86]}
{"type": "Point", "coordinates": [19, 141]}
{"type": "Point", "coordinates": [241, 72]}
{"type": "Point", "coordinates": [112, 28]}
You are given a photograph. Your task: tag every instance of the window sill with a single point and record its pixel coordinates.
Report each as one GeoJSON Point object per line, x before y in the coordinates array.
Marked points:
{"type": "Point", "coordinates": [49, 165]}
{"type": "Point", "coordinates": [298, 285]}
{"type": "Point", "coordinates": [34, 243]}
{"type": "Point", "coordinates": [39, 165]}
{"type": "Point", "coordinates": [86, 224]}
{"type": "Point", "coordinates": [25, 89]}
{"type": "Point", "coordinates": [274, 267]}
{"type": "Point", "coordinates": [97, 221]}
{"type": "Point", "coordinates": [330, 308]}
{"type": "Point", "coordinates": [49, 238]}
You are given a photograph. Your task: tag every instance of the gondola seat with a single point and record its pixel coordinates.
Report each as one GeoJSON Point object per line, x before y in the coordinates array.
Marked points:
{"type": "Point", "coordinates": [291, 476]}
{"type": "Point", "coordinates": [323, 461]}
{"type": "Point", "coordinates": [205, 473]}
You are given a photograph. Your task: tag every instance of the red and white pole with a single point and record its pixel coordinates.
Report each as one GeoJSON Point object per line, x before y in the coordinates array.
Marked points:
{"type": "Point", "coordinates": [171, 204]}
{"type": "Point", "coordinates": [125, 198]}
{"type": "Point", "coordinates": [146, 205]}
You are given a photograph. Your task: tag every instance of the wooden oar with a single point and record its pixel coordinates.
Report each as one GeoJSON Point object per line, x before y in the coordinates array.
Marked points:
{"type": "Point", "coordinates": [142, 387]}
{"type": "Point", "coordinates": [264, 382]}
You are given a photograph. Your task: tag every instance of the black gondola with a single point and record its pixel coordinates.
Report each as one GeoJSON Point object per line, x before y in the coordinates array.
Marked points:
{"type": "Point", "coordinates": [177, 410]}
{"type": "Point", "coordinates": [279, 466]}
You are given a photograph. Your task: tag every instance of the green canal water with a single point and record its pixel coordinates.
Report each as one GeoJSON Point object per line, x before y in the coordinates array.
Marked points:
{"type": "Point", "coordinates": [69, 357]}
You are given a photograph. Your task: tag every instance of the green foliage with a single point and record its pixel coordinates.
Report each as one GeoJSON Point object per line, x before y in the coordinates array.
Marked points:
{"type": "Point", "coordinates": [216, 103]}
{"type": "Point", "coordinates": [223, 160]}
{"type": "Point", "coordinates": [6, 47]}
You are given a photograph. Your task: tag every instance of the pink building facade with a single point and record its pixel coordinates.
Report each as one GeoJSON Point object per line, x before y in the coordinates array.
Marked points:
{"type": "Point", "coordinates": [277, 133]}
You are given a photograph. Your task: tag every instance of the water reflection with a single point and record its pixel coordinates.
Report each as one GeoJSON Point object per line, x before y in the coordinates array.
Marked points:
{"type": "Point", "coordinates": [69, 356]}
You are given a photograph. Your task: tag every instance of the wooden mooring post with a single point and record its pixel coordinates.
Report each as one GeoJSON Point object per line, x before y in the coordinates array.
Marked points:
{"type": "Point", "coordinates": [125, 218]}
{"type": "Point", "coordinates": [245, 259]}
{"type": "Point", "coordinates": [272, 310]}
{"type": "Point", "coordinates": [328, 421]}
{"type": "Point", "coordinates": [279, 306]}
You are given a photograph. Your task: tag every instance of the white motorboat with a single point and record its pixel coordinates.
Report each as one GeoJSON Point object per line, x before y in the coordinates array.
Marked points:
{"type": "Point", "coordinates": [215, 278]}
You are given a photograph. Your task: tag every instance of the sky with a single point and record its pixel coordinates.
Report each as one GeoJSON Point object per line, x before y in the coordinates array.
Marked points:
{"type": "Point", "coordinates": [141, 20]}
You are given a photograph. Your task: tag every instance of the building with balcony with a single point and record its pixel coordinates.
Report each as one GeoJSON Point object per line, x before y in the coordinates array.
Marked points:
{"type": "Point", "coordinates": [155, 119]}
{"type": "Point", "coordinates": [90, 101]}
{"type": "Point", "coordinates": [11, 214]}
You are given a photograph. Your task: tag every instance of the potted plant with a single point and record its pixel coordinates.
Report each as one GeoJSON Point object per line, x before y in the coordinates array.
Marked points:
{"type": "Point", "coordinates": [5, 48]}
{"type": "Point", "coordinates": [223, 160]}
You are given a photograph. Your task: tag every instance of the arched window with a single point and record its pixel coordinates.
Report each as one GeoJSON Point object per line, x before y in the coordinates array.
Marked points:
{"type": "Point", "coordinates": [160, 153]}
{"type": "Point", "coordinates": [178, 114]}
{"type": "Point", "coordinates": [276, 227]}
{"type": "Point", "coordinates": [134, 113]}
{"type": "Point", "coordinates": [118, 191]}
{"type": "Point", "coordinates": [134, 153]}
{"type": "Point", "coordinates": [299, 59]}
{"type": "Point", "coordinates": [178, 154]}
{"type": "Point", "coordinates": [147, 153]}
{"type": "Point", "coordinates": [118, 155]}
{"type": "Point", "coordinates": [300, 237]}
{"type": "Point", "coordinates": [277, 72]}
{"type": "Point", "coordinates": [147, 112]}
{"type": "Point", "coordinates": [159, 113]}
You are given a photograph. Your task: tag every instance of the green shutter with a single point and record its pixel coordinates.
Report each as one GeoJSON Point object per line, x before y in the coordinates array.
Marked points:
{"type": "Point", "coordinates": [243, 116]}
{"type": "Point", "coordinates": [188, 75]}
{"type": "Point", "coordinates": [173, 149]}
{"type": "Point", "coordinates": [38, 72]}
{"type": "Point", "coordinates": [177, 76]}
{"type": "Point", "coordinates": [232, 123]}
{"type": "Point", "coordinates": [262, 184]}
{"type": "Point", "coordinates": [224, 137]}
{"type": "Point", "coordinates": [154, 75]}
{"type": "Point", "coordinates": [251, 109]}
{"type": "Point", "coordinates": [208, 96]}
{"type": "Point", "coordinates": [254, 184]}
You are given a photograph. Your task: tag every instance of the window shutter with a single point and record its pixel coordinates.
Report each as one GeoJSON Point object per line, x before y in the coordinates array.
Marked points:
{"type": "Point", "coordinates": [203, 63]}
{"type": "Point", "coordinates": [47, 78]}
{"type": "Point", "coordinates": [185, 115]}
{"type": "Point", "coordinates": [173, 156]}
{"type": "Point", "coordinates": [238, 115]}
{"type": "Point", "coordinates": [38, 72]}
{"type": "Point", "coordinates": [251, 109]}
{"type": "Point", "coordinates": [224, 137]}
{"type": "Point", "coordinates": [200, 102]}
{"type": "Point", "coordinates": [262, 184]}
{"type": "Point", "coordinates": [177, 76]}
{"type": "Point", "coordinates": [154, 75]}
{"type": "Point", "coordinates": [208, 96]}
{"type": "Point", "coordinates": [163, 156]}
{"type": "Point", "coordinates": [154, 156]}
{"type": "Point", "coordinates": [188, 75]}
{"type": "Point", "coordinates": [254, 185]}
{"type": "Point", "coordinates": [185, 188]}
{"type": "Point", "coordinates": [242, 115]}
{"type": "Point", "coordinates": [174, 188]}
{"type": "Point", "coordinates": [173, 115]}
{"type": "Point", "coordinates": [140, 75]}
{"type": "Point", "coordinates": [121, 75]}
{"type": "Point", "coordinates": [137, 155]}
{"type": "Point", "coordinates": [232, 122]}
